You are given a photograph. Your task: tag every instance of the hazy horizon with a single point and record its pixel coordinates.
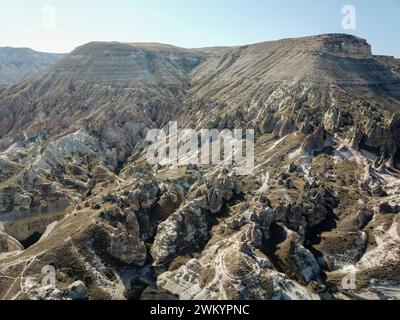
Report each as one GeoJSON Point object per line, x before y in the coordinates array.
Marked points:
{"type": "Point", "coordinates": [59, 26]}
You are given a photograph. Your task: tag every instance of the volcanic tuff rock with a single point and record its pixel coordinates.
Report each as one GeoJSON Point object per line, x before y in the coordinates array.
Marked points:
{"type": "Point", "coordinates": [19, 63]}
{"type": "Point", "coordinates": [8, 244]}
{"type": "Point", "coordinates": [77, 193]}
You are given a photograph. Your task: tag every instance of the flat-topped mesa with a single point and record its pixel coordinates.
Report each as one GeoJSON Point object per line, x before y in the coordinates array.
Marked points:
{"type": "Point", "coordinates": [74, 172]}
{"type": "Point", "coordinates": [286, 72]}
{"type": "Point", "coordinates": [342, 45]}
{"type": "Point", "coordinates": [316, 61]}
{"type": "Point", "coordinates": [122, 63]}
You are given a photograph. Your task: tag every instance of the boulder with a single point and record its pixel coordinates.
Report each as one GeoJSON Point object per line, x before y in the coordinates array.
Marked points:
{"type": "Point", "coordinates": [305, 262]}
{"type": "Point", "coordinates": [364, 216]}
{"type": "Point", "coordinates": [378, 191]}
{"type": "Point", "coordinates": [317, 141]}
{"type": "Point", "coordinates": [77, 291]}
{"type": "Point", "coordinates": [386, 208]}
{"type": "Point", "coordinates": [126, 244]}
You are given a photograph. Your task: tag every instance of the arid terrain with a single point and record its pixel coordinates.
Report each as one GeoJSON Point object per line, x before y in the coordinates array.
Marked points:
{"type": "Point", "coordinates": [317, 218]}
{"type": "Point", "coordinates": [19, 63]}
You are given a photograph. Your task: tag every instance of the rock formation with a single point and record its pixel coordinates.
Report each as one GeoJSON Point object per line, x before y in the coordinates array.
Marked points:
{"type": "Point", "coordinates": [19, 63]}
{"type": "Point", "coordinates": [77, 193]}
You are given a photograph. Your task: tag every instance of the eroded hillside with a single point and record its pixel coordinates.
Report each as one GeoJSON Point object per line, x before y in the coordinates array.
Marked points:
{"type": "Point", "coordinates": [321, 205]}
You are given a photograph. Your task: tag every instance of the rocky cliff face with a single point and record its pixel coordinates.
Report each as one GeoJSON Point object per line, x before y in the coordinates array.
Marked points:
{"type": "Point", "coordinates": [19, 63]}
{"type": "Point", "coordinates": [390, 62]}
{"type": "Point", "coordinates": [319, 210]}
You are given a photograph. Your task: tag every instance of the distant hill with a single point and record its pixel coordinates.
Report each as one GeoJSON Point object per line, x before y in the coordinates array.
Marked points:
{"type": "Point", "coordinates": [18, 63]}
{"type": "Point", "coordinates": [319, 212]}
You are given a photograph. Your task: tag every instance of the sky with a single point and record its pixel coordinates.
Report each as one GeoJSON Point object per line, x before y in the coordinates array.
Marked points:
{"type": "Point", "coordinates": [62, 25]}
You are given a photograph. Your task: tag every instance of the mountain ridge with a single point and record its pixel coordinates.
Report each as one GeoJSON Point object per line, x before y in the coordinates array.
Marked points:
{"type": "Point", "coordinates": [19, 63]}
{"type": "Point", "coordinates": [149, 73]}
{"type": "Point", "coordinates": [322, 199]}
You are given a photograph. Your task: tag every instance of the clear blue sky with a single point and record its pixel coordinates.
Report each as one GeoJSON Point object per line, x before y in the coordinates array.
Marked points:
{"type": "Point", "coordinates": [192, 23]}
